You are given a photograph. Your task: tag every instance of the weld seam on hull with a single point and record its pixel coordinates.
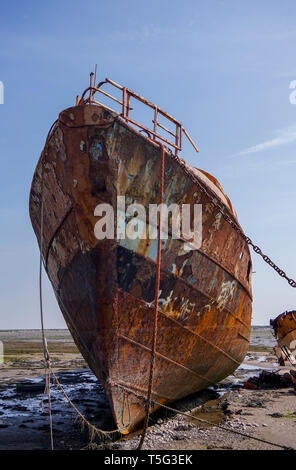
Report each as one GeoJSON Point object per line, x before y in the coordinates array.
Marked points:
{"type": "Point", "coordinates": [217, 263]}
{"type": "Point", "coordinates": [55, 234]}
{"type": "Point", "coordinates": [244, 337]}
{"type": "Point", "coordinates": [167, 272]}
{"type": "Point", "coordinates": [194, 333]}
{"type": "Point", "coordinates": [203, 253]}
{"type": "Point", "coordinates": [198, 290]}
{"type": "Point", "coordinates": [127, 338]}
{"type": "Point", "coordinates": [105, 126]}
{"type": "Point", "coordinates": [227, 271]}
{"type": "Point", "coordinates": [139, 389]}
{"type": "Point", "coordinates": [214, 301]}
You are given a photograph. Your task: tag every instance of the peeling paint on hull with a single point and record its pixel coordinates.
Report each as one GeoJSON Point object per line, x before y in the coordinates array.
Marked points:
{"type": "Point", "coordinates": [284, 326]}
{"type": "Point", "coordinates": [105, 288]}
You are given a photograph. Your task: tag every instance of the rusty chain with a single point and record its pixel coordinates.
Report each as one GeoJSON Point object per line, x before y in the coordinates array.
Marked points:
{"type": "Point", "coordinates": [258, 250]}
{"type": "Point", "coordinates": [234, 225]}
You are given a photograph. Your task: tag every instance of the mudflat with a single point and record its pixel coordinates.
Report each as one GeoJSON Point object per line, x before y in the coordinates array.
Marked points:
{"type": "Point", "coordinates": [267, 414]}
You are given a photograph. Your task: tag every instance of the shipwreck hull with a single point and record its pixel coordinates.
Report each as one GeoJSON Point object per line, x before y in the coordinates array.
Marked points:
{"type": "Point", "coordinates": [105, 288]}
{"type": "Point", "coordinates": [284, 327]}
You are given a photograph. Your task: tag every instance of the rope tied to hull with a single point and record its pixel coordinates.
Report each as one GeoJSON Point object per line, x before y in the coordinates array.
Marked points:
{"type": "Point", "coordinates": [41, 261]}
{"type": "Point", "coordinates": [45, 348]}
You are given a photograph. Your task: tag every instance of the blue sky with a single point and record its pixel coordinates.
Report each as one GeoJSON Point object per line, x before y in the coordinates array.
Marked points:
{"type": "Point", "coordinates": [223, 68]}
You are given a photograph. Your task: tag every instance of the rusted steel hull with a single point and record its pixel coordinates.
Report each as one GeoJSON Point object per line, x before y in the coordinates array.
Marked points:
{"type": "Point", "coordinates": [284, 327]}
{"type": "Point", "coordinates": [105, 288]}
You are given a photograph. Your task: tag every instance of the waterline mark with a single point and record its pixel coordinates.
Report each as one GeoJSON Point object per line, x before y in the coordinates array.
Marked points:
{"type": "Point", "coordinates": [183, 222]}
{"type": "Point", "coordinates": [1, 93]}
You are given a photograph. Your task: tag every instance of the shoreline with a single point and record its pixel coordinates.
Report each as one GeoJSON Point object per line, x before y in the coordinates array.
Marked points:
{"type": "Point", "coordinates": [268, 414]}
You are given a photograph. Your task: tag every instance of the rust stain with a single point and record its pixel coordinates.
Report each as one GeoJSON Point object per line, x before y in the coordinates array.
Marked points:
{"type": "Point", "coordinates": [105, 288]}
{"type": "Point", "coordinates": [284, 328]}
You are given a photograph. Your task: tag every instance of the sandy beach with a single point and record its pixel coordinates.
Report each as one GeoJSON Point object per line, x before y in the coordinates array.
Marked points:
{"type": "Point", "coordinates": [268, 414]}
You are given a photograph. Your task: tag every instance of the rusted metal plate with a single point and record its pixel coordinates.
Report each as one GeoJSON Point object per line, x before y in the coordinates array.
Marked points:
{"type": "Point", "coordinates": [105, 288]}
{"type": "Point", "coordinates": [284, 327]}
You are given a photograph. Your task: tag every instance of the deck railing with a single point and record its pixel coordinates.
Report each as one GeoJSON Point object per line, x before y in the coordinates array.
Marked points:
{"type": "Point", "coordinates": [173, 137]}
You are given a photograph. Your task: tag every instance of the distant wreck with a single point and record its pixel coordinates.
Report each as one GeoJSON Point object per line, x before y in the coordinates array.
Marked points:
{"type": "Point", "coordinates": [284, 328]}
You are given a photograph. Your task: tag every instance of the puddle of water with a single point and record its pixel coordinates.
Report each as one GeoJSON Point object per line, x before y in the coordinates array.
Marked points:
{"type": "Point", "coordinates": [248, 367]}
{"type": "Point", "coordinates": [210, 411]}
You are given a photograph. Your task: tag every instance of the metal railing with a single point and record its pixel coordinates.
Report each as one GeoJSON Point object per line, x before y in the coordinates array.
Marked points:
{"type": "Point", "coordinates": [174, 138]}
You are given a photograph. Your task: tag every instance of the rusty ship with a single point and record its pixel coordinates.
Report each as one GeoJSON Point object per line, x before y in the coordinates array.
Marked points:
{"type": "Point", "coordinates": [105, 288]}
{"type": "Point", "coordinates": [284, 329]}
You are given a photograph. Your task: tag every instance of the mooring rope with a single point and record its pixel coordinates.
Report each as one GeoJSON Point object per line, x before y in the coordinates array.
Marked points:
{"type": "Point", "coordinates": [45, 348]}
{"type": "Point", "coordinates": [44, 341]}
{"type": "Point", "coordinates": [93, 430]}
